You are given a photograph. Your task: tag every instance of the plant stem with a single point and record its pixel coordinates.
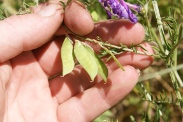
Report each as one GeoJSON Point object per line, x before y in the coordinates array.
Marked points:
{"type": "Point", "coordinates": [170, 62]}
{"type": "Point", "coordinates": [153, 34]}
{"type": "Point", "coordinates": [8, 7]}
{"type": "Point", "coordinates": [174, 47]}
{"type": "Point", "coordinates": [116, 60]}
{"type": "Point", "coordinates": [160, 25]}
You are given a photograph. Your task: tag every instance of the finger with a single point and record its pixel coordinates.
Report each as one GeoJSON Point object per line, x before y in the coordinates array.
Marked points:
{"type": "Point", "coordinates": [27, 32]}
{"type": "Point", "coordinates": [49, 57]}
{"type": "Point", "coordinates": [77, 19]}
{"type": "Point", "coordinates": [118, 32]}
{"type": "Point", "coordinates": [89, 104]}
{"type": "Point", "coordinates": [139, 61]}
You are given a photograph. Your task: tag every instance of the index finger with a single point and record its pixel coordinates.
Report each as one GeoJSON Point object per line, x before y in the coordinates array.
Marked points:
{"type": "Point", "coordinates": [117, 32]}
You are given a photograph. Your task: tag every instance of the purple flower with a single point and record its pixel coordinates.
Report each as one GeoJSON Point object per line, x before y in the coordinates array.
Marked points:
{"type": "Point", "coordinates": [120, 9]}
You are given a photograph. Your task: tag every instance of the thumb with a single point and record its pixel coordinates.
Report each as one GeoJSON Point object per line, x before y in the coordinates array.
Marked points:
{"type": "Point", "coordinates": [26, 32]}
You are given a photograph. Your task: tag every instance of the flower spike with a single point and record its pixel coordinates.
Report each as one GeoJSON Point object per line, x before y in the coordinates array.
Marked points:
{"type": "Point", "coordinates": [120, 9]}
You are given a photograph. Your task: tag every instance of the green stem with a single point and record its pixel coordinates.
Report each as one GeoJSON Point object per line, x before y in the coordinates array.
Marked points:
{"type": "Point", "coordinates": [108, 51]}
{"type": "Point", "coordinates": [114, 58]}
{"type": "Point", "coordinates": [106, 44]}
{"type": "Point", "coordinates": [160, 26]}
{"type": "Point", "coordinates": [9, 8]}
{"type": "Point", "coordinates": [174, 47]}
{"type": "Point", "coordinates": [170, 62]}
{"type": "Point", "coordinates": [160, 73]}
{"type": "Point", "coordinates": [153, 34]}
{"type": "Point", "coordinates": [175, 77]}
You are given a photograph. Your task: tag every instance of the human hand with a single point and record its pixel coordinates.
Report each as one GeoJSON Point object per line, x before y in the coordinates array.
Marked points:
{"type": "Point", "coordinates": [30, 54]}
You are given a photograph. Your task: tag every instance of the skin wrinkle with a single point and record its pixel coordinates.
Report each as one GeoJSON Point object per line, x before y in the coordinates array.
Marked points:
{"type": "Point", "coordinates": [5, 72]}
{"type": "Point", "coordinates": [21, 113]}
{"type": "Point", "coordinates": [4, 78]}
{"type": "Point", "coordinates": [81, 109]}
{"type": "Point", "coordinates": [103, 93]}
{"type": "Point", "coordinates": [15, 85]}
{"type": "Point", "coordinates": [33, 95]}
{"type": "Point", "coordinates": [77, 107]}
{"type": "Point", "coordinates": [2, 100]}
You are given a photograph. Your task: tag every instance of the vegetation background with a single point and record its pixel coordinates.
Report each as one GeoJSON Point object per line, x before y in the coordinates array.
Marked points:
{"type": "Point", "coordinates": [158, 95]}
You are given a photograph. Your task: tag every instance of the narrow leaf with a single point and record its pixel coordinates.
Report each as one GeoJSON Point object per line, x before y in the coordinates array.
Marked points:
{"type": "Point", "coordinates": [112, 55]}
{"type": "Point", "coordinates": [102, 68]}
{"type": "Point", "coordinates": [86, 60]}
{"type": "Point", "coordinates": [67, 56]}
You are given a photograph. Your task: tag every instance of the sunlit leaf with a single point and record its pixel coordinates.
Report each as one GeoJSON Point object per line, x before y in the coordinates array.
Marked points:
{"type": "Point", "coordinates": [67, 56]}
{"type": "Point", "coordinates": [102, 68]}
{"type": "Point", "coordinates": [86, 60]}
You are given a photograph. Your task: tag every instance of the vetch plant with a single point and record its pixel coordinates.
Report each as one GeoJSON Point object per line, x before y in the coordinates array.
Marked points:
{"type": "Point", "coordinates": [159, 100]}
{"type": "Point", "coordinates": [121, 9]}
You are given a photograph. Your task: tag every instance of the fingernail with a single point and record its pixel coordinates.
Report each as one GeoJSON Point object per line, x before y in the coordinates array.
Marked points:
{"type": "Point", "coordinates": [138, 71]}
{"type": "Point", "coordinates": [48, 10]}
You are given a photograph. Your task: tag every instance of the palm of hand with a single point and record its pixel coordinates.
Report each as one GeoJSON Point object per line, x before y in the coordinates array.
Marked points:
{"type": "Point", "coordinates": [29, 97]}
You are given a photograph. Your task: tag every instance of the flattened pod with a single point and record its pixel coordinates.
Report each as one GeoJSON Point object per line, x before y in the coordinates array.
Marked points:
{"type": "Point", "coordinates": [86, 60]}
{"type": "Point", "coordinates": [67, 56]}
{"type": "Point", "coordinates": [102, 68]}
